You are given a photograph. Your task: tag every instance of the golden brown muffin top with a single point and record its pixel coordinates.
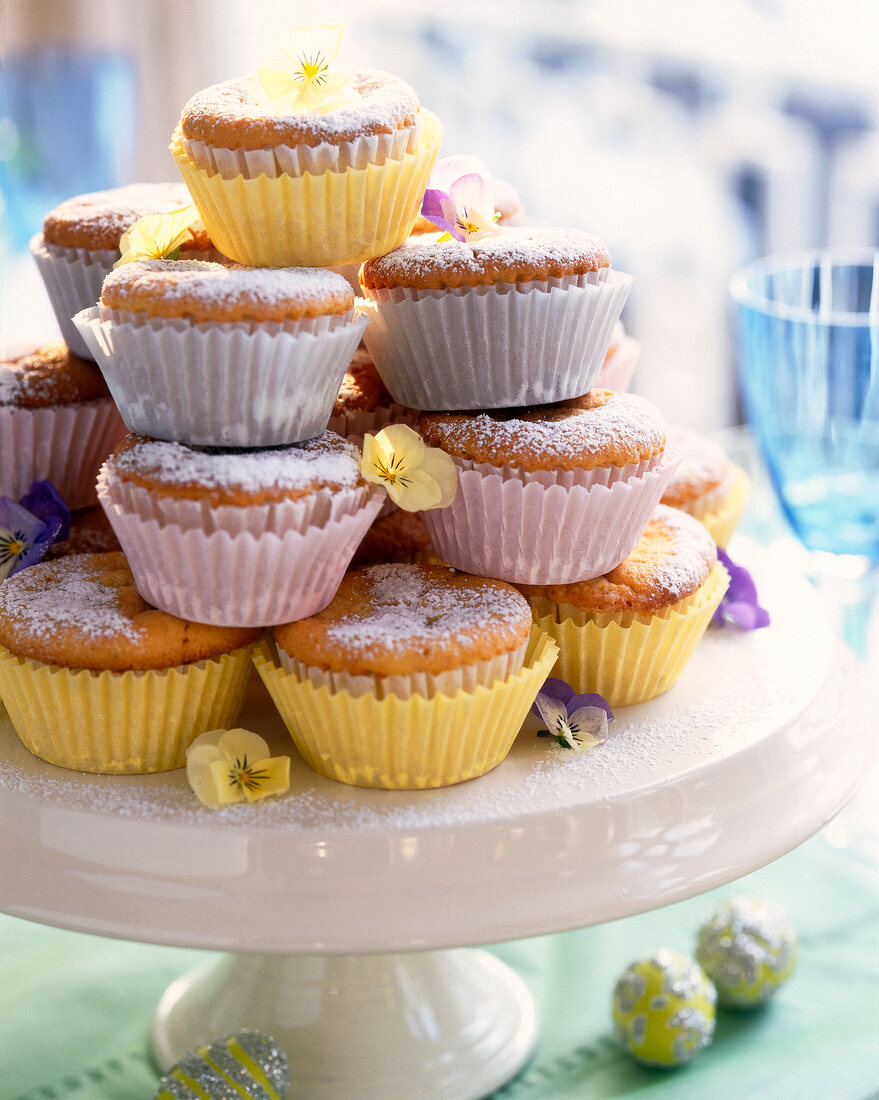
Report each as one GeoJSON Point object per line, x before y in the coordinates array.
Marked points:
{"type": "Point", "coordinates": [98, 220]}
{"type": "Point", "coordinates": [202, 291]}
{"type": "Point", "coordinates": [362, 389]}
{"type": "Point", "coordinates": [671, 560]}
{"type": "Point", "coordinates": [227, 116]}
{"type": "Point", "coordinates": [507, 205]}
{"type": "Point", "coordinates": [90, 533]}
{"type": "Point", "coordinates": [398, 619]}
{"type": "Point", "coordinates": [703, 467]}
{"type": "Point", "coordinates": [614, 430]}
{"type": "Point", "coordinates": [49, 375]}
{"type": "Point", "coordinates": [515, 255]}
{"type": "Point", "coordinates": [234, 477]}
{"type": "Point", "coordinates": [84, 611]}
{"type": "Point", "coordinates": [399, 537]}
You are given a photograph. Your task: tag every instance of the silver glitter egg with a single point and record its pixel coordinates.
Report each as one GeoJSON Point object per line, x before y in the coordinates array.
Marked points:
{"type": "Point", "coordinates": [246, 1064]}
{"type": "Point", "coordinates": [748, 947]}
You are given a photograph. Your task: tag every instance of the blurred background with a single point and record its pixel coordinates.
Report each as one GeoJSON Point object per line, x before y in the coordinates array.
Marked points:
{"type": "Point", "coordinates": [690, 135]}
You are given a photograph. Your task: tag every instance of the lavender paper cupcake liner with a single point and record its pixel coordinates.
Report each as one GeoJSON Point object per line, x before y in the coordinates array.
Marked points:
{"type": "Point", "coordinates": [493, 346]}
{"type": "Point", "coordinates": [529, 533]}
{"type": "Point", "coordinates": [64, 444]}
{"type": "Point", "coordinates": [238, 580]}
{"type": "Point", "coordinates": [247, 385]}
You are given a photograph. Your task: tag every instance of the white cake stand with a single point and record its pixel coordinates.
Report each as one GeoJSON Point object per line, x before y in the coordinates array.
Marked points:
{"type": "Point", "coordinates": [342, 904]}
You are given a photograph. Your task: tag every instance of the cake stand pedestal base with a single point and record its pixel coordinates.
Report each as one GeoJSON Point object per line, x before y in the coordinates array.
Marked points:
{"type": "Point", "coordinates": [439, 1025]}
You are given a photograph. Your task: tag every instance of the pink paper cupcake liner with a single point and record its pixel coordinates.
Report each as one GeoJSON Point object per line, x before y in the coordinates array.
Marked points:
{"type": "Point", "coordinates": [222, 385]}
{"type": "Point", "coordinates": [65, 444]}
{"type": "Point", "coordinates": [617, 369]}
{"type": "Point", "coordinates": [238, 580]}
{"type": "Point", "coordinates": [493, 346]}
{"type": "Point", "coordinates": [534, 534]}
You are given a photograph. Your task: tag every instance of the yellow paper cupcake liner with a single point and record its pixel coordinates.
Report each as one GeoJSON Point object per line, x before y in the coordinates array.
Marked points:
{"type": "Point", "coordinates": [634, 663]}
{"type": "Point", "coordinates": [411, 744]}
{"type": "Point", "coordinates": [722, 521]}
{"type": "Point", "coordinates": [121, 723]}
{"type": "Point", "coordinates": [313, 220]}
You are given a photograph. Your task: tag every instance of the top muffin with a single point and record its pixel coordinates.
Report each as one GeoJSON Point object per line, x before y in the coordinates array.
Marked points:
{"type": "Point", "coordinates": [227, 115]}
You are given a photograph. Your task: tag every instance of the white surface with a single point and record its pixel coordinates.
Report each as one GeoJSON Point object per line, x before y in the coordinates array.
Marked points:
{"type": "Point", "coordinates": [442, 1025]}
{"type": "Point", "coordinates": [755, 748]}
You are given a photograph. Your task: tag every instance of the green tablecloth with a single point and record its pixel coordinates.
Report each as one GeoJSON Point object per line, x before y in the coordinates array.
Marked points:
{"type": "Point", "coordinates": [77, 1009]}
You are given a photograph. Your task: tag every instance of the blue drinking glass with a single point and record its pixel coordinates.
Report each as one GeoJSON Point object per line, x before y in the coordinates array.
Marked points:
{"type": "Point", "coordinates": [808, 344]}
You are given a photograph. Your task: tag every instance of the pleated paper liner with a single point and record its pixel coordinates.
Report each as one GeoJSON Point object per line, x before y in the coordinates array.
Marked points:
{"type": "Point", "coordinates": [313, 220]}
{"type": "Point", "coordinates": [238, 580]}
{"type": "Point", "coordinates": [65, 444]}
{"type": "Point", "coordinates": [232, 385]}
{"type": "Point", "coordinates": [723, 520]}
{"type": "Point", "coordinates": [121, 723]}
{"type": "Point", "coordinates": [531, 533]}
{"type": "Point", "coordinates": [73, 278]}
{"type": "Point", "coordinates": [630, 663]}
{"type": "Point", "coordinates": [497, 346]}
{"type": "Point", "coordinates": [406, 744]}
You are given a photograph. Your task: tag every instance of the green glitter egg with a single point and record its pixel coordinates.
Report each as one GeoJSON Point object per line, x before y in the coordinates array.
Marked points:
{"type": "Point", "coordinates": [246, 1064]}
{"type": "Point", "coordinates": [664, 1009]}
{"type": "Point", "coordinates": [748, 948]}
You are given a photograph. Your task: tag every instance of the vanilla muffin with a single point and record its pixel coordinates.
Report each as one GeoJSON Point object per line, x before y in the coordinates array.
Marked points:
{"type": "Point", "coordinates": [628, 634]}
{"type": "Point", "coordinates": [238, 538]}
{"type": "Point", "coordinates": [223, 355]}
{"type": "Point", "coordinates": [57, 422]}
{"type": "Point", "coordinates": [80, 243]}
{"type": "Point", "coordinates": [520, 318]}
{"type": "Point", "coordinates": [363, 403]}
{"type": "Point", "coordinates": [97, 680]}
{"type": "Point", "coordinates": [548, 495]}
{"type": "Point", "coordinates": [413, 676]}
{"type": "Point", "coordinates": [707, 484]}
{"type": "Point", "coordinates": [310, 189]}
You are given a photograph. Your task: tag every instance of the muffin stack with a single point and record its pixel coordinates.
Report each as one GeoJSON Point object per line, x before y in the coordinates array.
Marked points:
{"type": "Point", "coordinates": [238, 510]}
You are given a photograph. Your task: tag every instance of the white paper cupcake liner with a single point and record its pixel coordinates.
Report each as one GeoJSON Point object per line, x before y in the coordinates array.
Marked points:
{"type": "Point", "coordinates": [211, 384]}
{"type": "Point", "coordinates": [73, 278]}
{"type": "Point", "coordinates": [314, 510]}
{"type": "Point", "coordinates": [64, 444]}
{"type": "Point", "coordinates": [534, 534]}
{"type": "Point", "coordinates": [495, 346]}
{"type": "Point", "coordinates": [238, 580]}
{"type": "Point", "coordinates": [466, 678]}
{"type": "Point", "coordinates": [297, 160]}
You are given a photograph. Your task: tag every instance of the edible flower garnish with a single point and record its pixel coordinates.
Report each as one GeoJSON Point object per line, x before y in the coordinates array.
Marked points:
{"type": "Point", "coordinates": [300, 81]}
{"type": "Point", "coordinates": [460, 200]}
{"type": "Point", "coordinates": [226, 766]}
{"type": "Point", "coordinates": [739, 606]}
{"type": "Point", "coordinates": [574, 721]}
{"type": "Point", "coordinates": [416, 477]}
{"type": "Point", "coordinates": [29, 527]}
{"type": "Point", "coordinates": [157, 236]}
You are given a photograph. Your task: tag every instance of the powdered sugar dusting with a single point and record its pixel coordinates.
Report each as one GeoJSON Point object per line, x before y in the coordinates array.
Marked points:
{"type": "Point", "coordinates": [328, 460]}
{"type": "Point", "coordinates": [75, 602]}
{"type": "Point", "coordinates": [412, 606]}
{"type": "Point", "coordinates": [250, 291]}
{"type": "Point", "coordinates": [103, 216]}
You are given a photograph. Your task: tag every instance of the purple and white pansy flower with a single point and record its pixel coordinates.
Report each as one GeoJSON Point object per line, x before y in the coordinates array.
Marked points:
{"type": "Point", "coordinates": [460, 200]}
{"type": "Point", "coordinates": [739, 606]}
{"type": "Point", "coordinates": [574, 721]}
{"type": "Point", "coordinates": [28, 527]}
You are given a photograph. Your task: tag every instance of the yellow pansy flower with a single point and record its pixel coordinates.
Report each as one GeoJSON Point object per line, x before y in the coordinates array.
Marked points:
{"type": "Point", "coordinates": [416, 477]}
{"type": "Point", "coordinates": [300, 81]}
{"type": "Point", "coordinates": [157, 236]}
{"type": "Point", "coordinates": [226, 766]}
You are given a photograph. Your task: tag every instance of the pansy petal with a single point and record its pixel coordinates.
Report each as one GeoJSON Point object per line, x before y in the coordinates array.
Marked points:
{"type": "Point", "coordinates": [589, 725]}
{"type": "Point", "coordinates": [44, 501]}
{"type": "Point", "coordinates": [219, 785]}
{"type": "Point", "coordinates": [24, 539]}
{"type": "Point", "coordinates": [240, 743]}
{"type": "Point", "coordinates": [448, 169]}
{"type": "Point", "coordinates": [439, 207]}
{"type": "Point", "coordinates": [402, 439]}
{"type": "Point", "coordinates": [558, 689]}
{"type": "Point", "coordinates": [439, 466]}
{"type": "Point", "coordinates": [418, 492]}
{"type": "Point", "coordinates": [551, 711]}
{"type": "Point", "coordinates": [590, 699]}
{"type": "Point", "coordinates": [323, 40]}
{"type": "Point", "coordinates": [473, 191]}
{"type": "Point", "coordinates": [274, 778]}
